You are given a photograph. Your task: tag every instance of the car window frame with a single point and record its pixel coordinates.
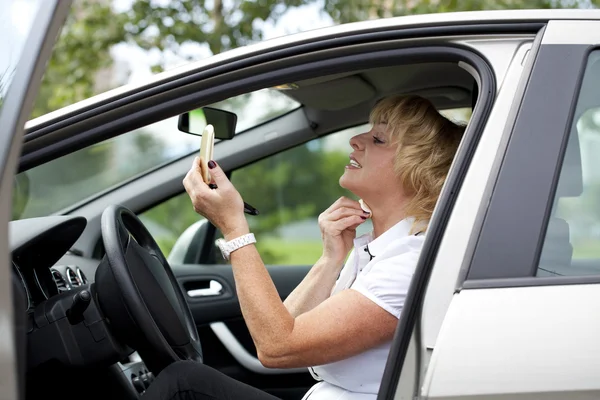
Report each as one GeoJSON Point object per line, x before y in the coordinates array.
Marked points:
{"type": "Point", "coordinates": [538, 142]}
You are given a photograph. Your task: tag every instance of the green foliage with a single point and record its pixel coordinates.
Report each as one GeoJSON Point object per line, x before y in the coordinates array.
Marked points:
{"type": "Point", "coordinates": [93, 27]}
{"type": "Point", "coordinates": [295, 185]}
{"type": "Point", "coordinates": [288, 252]}
{"type": "Point", "coordinates": [343, 11]}
{"type": "Point", "coordinates": [221, 24]}
{"type": "Point", "coordinates": [175, 216]}
{"type": "Point", "coordinates": [66, 180]}
{"type": "Point", "coordinates": [82, 50]}
{"type": "Point", "coordinates": [291, 186]}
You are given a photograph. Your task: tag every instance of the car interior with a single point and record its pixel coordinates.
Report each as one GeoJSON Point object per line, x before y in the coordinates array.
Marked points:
{"type": "Point", "coordinates": [557, 256]}
{"type": "Point", "coordinates": [72, 296]}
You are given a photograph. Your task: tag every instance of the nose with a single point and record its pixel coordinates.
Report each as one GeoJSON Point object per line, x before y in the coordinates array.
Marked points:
{"type": "Point", "coordinates": [357, 142]}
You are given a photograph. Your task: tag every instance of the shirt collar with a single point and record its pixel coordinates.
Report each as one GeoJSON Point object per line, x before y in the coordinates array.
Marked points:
{"type": "Point", "coordinates": [378, 245]}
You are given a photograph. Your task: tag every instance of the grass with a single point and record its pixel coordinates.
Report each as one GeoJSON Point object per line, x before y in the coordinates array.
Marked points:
{"type": "Point", "coordinates": [586, 249]}
{"type": "Point", "coordinates": [288, 252]}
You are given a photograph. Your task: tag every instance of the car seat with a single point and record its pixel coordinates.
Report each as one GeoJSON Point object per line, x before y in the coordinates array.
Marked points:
{"type": "Point", "coordinates": [557, 251]}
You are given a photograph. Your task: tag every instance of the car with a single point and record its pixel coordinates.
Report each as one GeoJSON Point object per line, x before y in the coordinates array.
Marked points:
{"type": "Point", "coordinates": [114, 277]}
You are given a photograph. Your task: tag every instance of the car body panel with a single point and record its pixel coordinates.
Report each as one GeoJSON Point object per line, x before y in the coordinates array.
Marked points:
{"type": "Point", "coordinates": [219, 323]}
{"type": "Point", "coordinates": [477, 342]}
{"type": "Point", "coordinates": [16, 108]}
{"type": "Point", "coordinates": [463, 221]}
{"type": "Point", "coordinates": [518, 343]}
{"type": "Point", "coordinates": [534, 341]}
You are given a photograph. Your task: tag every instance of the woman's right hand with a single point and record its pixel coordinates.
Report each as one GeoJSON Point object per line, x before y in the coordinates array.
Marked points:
{"type": "Point", "coordinates": [338, 228]}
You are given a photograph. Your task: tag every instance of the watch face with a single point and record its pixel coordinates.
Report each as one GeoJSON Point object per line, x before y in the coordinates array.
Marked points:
{"type": "Point", "coordinates": [221, 243]}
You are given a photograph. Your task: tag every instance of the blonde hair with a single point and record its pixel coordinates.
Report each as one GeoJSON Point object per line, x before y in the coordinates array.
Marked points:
{"type": "Point", "coordinates": [427, 142]}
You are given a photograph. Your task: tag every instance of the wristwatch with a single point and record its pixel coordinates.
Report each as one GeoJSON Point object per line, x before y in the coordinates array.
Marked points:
{"type": "Point", "coordinates": [228, 247]}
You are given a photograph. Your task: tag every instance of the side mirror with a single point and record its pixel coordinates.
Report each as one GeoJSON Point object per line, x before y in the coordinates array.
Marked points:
{"type": "Point", "coordinates": [194, 122]}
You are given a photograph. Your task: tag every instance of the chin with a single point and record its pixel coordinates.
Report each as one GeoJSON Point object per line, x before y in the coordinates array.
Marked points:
{"type": "Point", "coordinates": [347, 183]}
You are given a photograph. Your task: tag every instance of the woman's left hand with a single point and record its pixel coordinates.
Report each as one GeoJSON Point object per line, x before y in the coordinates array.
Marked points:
{"type": "Point", "coordinates": [223, 206]}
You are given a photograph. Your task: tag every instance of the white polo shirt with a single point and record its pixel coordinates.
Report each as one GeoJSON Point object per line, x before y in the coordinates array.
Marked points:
{"type": "Point", "coordinates": [384, 279]}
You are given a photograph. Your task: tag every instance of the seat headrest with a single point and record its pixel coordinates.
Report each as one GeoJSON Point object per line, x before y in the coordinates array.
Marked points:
{"type": "Point", "coordinates": [570, 182]}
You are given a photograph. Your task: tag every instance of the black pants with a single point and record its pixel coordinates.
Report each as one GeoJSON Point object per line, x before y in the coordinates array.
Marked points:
{"type": "Point", "coordinates": [188, 380]}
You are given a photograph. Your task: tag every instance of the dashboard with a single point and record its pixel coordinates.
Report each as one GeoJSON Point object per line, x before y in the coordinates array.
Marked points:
{"type": "Point", "coordinates": [41, 283]}
{"type": "Point", "coordinates": [59, 323]}
{"type": "Point", "coordinates": [37, 245]}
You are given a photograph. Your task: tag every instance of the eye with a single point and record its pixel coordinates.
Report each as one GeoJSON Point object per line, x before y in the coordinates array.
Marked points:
{"type": "Point", "coordinates": [376, 140]}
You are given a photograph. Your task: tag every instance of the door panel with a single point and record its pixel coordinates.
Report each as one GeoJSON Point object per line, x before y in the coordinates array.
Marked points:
{"type": "Point", "coordinates": [226, 342]}
{"type": "Point", "coordinates": [520, 325]}
{"type": "Point", "coordinates": [518, 343]}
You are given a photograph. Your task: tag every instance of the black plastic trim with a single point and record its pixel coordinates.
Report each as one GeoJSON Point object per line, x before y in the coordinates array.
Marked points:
{"type": "Point", "coordinates": [512, 115]}
{"type": "Point", "coordinates": [531, 282]}
{"type": "Point", "coordinates": [299, 48]}
{"type": "Point", "coordinates": [435, 232]}
{"type": "Point", "coordinates": [514, 228]}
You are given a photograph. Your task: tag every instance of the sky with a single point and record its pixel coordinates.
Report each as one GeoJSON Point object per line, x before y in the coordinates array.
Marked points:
{"type": "Point", "coordinates": [295, 20]}
{"type": "Point", "coordinates": [17, 22]}
{"type": "Point", "coordinates": [14, 24]}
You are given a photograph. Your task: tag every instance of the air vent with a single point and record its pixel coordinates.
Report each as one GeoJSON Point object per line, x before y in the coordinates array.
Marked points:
{"type": "Point", "coordinates": [60, 281]}
{"type": "Point", "coordinates": [72, 277]}
{"type": "Point", "coordinates": [81, 276]}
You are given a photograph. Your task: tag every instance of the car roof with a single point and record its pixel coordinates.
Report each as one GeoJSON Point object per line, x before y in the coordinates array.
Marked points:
{"type": "Point", "coordinates": [404, 22]}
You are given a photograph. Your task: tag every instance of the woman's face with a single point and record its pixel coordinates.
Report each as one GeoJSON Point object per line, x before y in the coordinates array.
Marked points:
{"type": "Point", "coordinates": [370, 172]}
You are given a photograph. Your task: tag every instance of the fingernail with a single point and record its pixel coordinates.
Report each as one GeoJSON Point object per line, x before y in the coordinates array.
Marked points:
{"type": "Point", "coordinates": [212, 164]}
{"type": "Point", "coordinates": [212, 186]}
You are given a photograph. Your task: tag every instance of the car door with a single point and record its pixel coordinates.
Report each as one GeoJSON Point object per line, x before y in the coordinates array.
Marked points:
{"type": "Point", "coordinates": [520, 323]}
{"type": "Point", "coordinates": [32, 29]}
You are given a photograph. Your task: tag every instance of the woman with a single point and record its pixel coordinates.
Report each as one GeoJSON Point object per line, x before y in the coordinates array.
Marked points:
{"type": "Point", "coordinates": [338, 321]}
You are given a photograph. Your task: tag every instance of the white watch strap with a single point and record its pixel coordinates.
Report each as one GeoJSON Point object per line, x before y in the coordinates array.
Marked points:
{"type": "Point", "coordinates": [238, 242]}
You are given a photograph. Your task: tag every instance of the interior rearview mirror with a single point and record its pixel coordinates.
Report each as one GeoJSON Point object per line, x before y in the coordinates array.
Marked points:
{"type": "Point", "coordinates": [194, 122]}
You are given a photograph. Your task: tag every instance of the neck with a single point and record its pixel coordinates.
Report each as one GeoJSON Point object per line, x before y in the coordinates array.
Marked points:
{"type": "Point", "coordinates": [386, 214]}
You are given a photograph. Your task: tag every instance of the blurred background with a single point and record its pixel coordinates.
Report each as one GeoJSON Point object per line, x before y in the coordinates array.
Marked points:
{"type": "Point", "coordinates": [109, 43]}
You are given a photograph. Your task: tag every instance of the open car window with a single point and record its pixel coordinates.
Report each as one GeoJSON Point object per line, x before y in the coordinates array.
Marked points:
{"type": "Point", "coordinates": [296, 185]}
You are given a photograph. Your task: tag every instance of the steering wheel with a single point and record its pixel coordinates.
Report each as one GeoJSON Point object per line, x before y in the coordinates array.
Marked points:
{"type": "Point", "coordinates": [140, 296]}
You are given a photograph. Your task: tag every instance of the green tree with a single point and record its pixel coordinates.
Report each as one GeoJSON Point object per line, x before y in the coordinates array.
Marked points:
{"type": "Point", "coordinates": [81, 51]}
{"type": "Point", "coordinates": [343, 11]}
{"type": "Point", "coordinates": [94, 27]}
{"type": "Point", "coordinates": [222, 25]}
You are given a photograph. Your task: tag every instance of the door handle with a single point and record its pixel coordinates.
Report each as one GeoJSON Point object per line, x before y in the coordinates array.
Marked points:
{"type": "Point", "coordinates": [214, 289]}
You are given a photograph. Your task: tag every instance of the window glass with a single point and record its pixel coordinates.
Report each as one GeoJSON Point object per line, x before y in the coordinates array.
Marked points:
{"type": "Point", "coordinates": [290, 189]}
{"type": "Point", "coordinates": [167, 221]}
{"type": "Point", "coordinates": [572, 242]}
{"type": "Point", "coordinates": [62, 183]}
